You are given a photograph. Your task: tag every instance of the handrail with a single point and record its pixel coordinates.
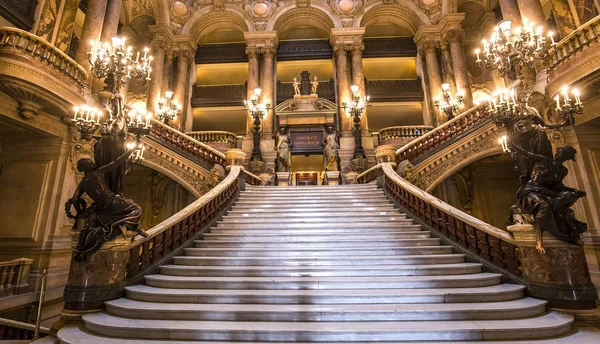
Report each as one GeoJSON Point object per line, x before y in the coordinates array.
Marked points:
{"type": "Point", "coordinates": [391, 133]}
{"type": "Point", "coordinates": [369, 175]}
{"type": "Point", "coordinates": [583, 36]}
{"type": "Point", "coordinates": [14, 276]}
{"type": "Point", "coordinates": [195, 148]}
{"type": "Point", "coordinates": [214, 137]}
{"type": "Point", "coordinates": [169, 236]}
{"type": "Point", "coordinates": [443, 133]}
{"type": "Point", "coordinates": [486, 241]}
{"type": "Point", "coordinates": [251, 178]}
{"type": "Point", "coordinates": [22, 325]}
{"type": "Point", "coordinates": [36, 47]}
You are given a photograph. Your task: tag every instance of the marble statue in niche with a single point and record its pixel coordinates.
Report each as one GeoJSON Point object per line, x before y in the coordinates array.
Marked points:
{"type": "Point", "coordinates": [330, 153]}
{"type": "Point", "coordinates": [284, 152]}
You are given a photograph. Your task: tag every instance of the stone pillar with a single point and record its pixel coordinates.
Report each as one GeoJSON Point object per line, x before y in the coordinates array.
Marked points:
{"type": "Point", "coordinates": [510, 11]}
{"type": "Point", "coordinates": [111, 20]}
{"type": "Point", "coordinates": [459, 62]}
{"type": "Point", "coordinates": [343, 84]}
{"type": "Point", "coordinates": [181, 91]}
{"type": "Point", "coordinates": [559, 275]}
{"type": "Point", "coordinates": [92, 27]}
{"type": "Point", "coordinates": [532, 11]}
{"type": "Point", "coordinates": [155, 87]}
{"type": "Point", "coordinates": [253, 82]}
{"type": "Point", "coordinates": [447, 68]}
{"type": "Point", "coordinates": [267, 81]}
{"type": "Point", "coordinates": [358, 78]}
{"type": "Point", "coordinates": [434, 75]}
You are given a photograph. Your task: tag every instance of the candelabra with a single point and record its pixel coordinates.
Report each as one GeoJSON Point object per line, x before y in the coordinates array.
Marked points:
{"type": "Point", "coordinates": [86, 120]}
{"type": "Point", "coordinates": [168, 110]}
{"type": "Point", "coordinates": [510, 48]}
{"type": "Point", "coordinates": [449, 105]}
{"type": "Point", "coordinates": [506, 106]}
{"type": "Point", "coordinates": [257, 111]}
{"type": "Point", "coordinates": [569, 107]}
{"type": "Point", "coordinates": [356, 107]}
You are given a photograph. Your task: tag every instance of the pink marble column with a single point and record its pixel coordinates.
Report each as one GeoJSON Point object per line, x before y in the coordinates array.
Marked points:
{"type": "Point", "coordinates": [358, 78]}
{"type": "Point", "coordinates": [111, 20]}
{"type": "Point", "coordinates": [158, 52]}
{"type": "Point", "coordinates": [267, 79]}
{"type": "Point", "coordinates": [92, 27]}
{"type": "Point", "coordinates": [343, 83]}
{"type": "Point", "coordinates": [459, 62]}
{"type": "Point", "coordinates": [532, 10]}
{"type": "Point", "coordinates": [510, 11]}
{"type": "Point", "coordinates": [181, 92]}
{"type": "Point", "coordinates": [253, 82]}
{"type": "Point", "coordinates": [434, 75]}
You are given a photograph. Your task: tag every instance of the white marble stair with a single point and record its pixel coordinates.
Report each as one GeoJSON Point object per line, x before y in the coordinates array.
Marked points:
{"type": "Point", "coordinates": [321, 264]}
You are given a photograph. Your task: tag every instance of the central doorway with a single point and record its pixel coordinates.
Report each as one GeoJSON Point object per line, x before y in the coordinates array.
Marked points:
{"type": "Point", "coordinates": [307, 169]}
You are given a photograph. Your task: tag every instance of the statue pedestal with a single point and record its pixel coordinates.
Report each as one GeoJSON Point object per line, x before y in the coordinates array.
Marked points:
{"type": "Point", "coordinates": [266, 179]}
{"type": "Point", "coordinates": [560, 275]}
{"type": "Point", "coordinates": [256, 166]}
{"type": "Point", "coordinates": [283, 179]}
{"type": "Point", "coordinates": [351, 177]}
{"type": "Point", "coordinates": [360, 164]}
{"type": "Point", "coordinates": [333, 178]}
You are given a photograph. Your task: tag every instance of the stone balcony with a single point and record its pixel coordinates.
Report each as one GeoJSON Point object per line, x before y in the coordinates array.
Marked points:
{"type": "Point", "coordinates": [37, 75]}
{"type": "Point", "coordinates": [401, 135]}
{"type": "Point", "coordinates": [220, 140]}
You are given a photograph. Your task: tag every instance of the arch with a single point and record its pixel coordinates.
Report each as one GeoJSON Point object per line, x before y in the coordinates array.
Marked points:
{"type": "Point", "coordinates": [161, 12]}
{"type": "Point", "coordinates": [405, 14]}
{"type": "Point", "coordinates": [287, 16]}
{"type": "Point", "coordinates": [204, 22]}
{"type": "Point", "coordinates": [170, 174]}
{"type": "Point", "coordinates": [140, 27]}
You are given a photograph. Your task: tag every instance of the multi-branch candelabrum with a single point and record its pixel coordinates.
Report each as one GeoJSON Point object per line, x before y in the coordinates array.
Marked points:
{"type": "Point", "coordinates": [449, 105]}
{"type": "Point", "coordinates": [355, 108]}
{"type": "Point", "coordinates": [257, 111]}
{"type": "Point", "coordinates": [509, 49]}
{"type": "Point", "coordinates": [115, 62]}
{"type": "Point", "coordinates": [168, 110]}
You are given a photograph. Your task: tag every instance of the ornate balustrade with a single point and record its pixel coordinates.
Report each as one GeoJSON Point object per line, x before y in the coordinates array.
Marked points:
{"type": "Point", "coordinates": [490, 244]}
{"type": "Point", "coordinates": [221, 140]}
{"type": "Point", "coordinates": [394, 90]}
{"type": "Point", "coordinates": [170, 236]}
{"type": "Point", "coordinates": [251, 178]}
{"type": "Point", "coordinates": [38, 75]}
{"type": "Point", "coordinates": [285, 90]}
{"type": "Point", "coordinates": [219, 95]}
{"type": "Point", "coordinates": [575, 57]}
{"type": "Point", "coordinates": [14, 276]}
{"type": "Point", "coordinates": [398, 136]}
{"type": "Point", "coordinates": [205, 155]}
{"type": "Point", "coordinates": [451, 130]}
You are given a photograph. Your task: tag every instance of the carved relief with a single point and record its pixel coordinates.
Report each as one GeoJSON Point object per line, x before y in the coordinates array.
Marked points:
{"type": "Point", "coordinates": [140, 7]}
{"type": "Point", "coordinates": [260, 11]}
{"type": "Point", "coordinates": [180, 13]}
{"type": "Point", "coordinates": [345, 10]}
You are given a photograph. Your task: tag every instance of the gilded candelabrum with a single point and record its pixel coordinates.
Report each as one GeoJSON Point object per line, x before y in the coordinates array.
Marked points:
{"type": "Point", "coordinates": [355, 108]}
{"type": "Point", "coordinates": [257, 111]}
{"type": "Point", "coordinates": [168, 110]}
{"type": "Point", "coordinates": [449, 105]}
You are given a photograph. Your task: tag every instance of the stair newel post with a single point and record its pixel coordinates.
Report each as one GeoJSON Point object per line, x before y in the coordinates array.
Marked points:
{"type": "Point", "coordinates": [236, 157]}
{"type": "Point", "coordinates": [384, 154]}
{"type": "Point", "coordinates": [559, 275]}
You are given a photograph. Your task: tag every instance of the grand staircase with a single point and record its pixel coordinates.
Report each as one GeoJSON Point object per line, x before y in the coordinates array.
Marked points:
{"type": "Point", "coordinates": [321, 264]}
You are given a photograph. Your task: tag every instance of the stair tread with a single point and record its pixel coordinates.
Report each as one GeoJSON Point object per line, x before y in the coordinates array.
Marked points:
{"type": "Point", "coordinates": [325, 258]}
{"type": "Point", "coordinates": [391, 267]}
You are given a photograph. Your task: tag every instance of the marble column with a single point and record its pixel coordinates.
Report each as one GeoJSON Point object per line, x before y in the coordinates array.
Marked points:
{"type": "Point", "coordinates": [434, 75]}
{"type": "Point", "coordinates": [92, 27]}
{"type": "Point", "coordinates": [158, 53]}
{"type": "Point", "coordinates": [343, 83]}
{"type": "Point", "coordinates": [532, 11]}
{"type": "Point", "coordinates": [111, 20]}
{"type": "Point", "coordinates": [253, 82]}
{"type": "Point", "coordinates": [180, 90]}
{"type": "Point", "coordinates": [447, 68]}
{"type": "Point", "coordinates": [267, 79]}
{"type": "Point", "coordinates": [510, 11]}
{"type": "Point", "coordinates": [358, 78]}
{"type": "Point", "coordinates": [459, 62]}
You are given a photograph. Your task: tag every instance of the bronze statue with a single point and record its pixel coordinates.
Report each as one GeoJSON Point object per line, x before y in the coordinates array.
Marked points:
{"type": "Point", "coordinates": [284, 153]}
{"type": "Point", "coordinates": [109, 147]}
{"type": "Point", "coordinates": [543, 199]}
{"type": "Point", "coordinates": [331, 155]}
{"type": "Point", "coordinates": [109, 215]}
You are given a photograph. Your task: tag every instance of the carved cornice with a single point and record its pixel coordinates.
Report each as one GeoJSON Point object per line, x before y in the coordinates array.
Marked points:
{"type": "Point", "coordinates": [162, 38]}
{"type": "Point", "coordinates": [184, 46]}
{"type": "Point", "coordinates": [451, 27]}
{"type": "Point", "coordinates": [346, 36]}
{"type": "Point", "coordinates": [261, 39]}
{"type": "Point", "coordinates": [427, 37]}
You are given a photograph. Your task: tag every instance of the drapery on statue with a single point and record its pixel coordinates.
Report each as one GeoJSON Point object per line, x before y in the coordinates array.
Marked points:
{"type": "Point", "coordinates": [314, 85]}
{"type": "Point", "coordinates": [284, 153]}
{"type": "Point", "coordinates": [296, 85]}
{"type": "Point", "coordinates": [543, 199]}
{"type": "Point", "coordinates": [109, 215]}
{"type": "Point", "coordinates": [109, 147]}
{"type": "Point", "coordinates": [331, 150]}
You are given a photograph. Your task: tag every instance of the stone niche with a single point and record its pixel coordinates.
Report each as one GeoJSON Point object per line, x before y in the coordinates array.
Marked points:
{"type": "Point", "coordinates": [306, 110]}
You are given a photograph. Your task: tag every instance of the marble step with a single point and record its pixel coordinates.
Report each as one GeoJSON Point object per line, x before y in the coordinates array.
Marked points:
{"type": "Point", "coordinates": [352, 260]}
{"type": "Point", "coordinates": [268, 218]}
{"type": "Point", "coordinates": [311, 188]}
{"type": "Point", "coordinates": [543, 326]}
{"type": "Point", "coordinates": [341, 225]}
{"type": "Point", "coordinates": [494, 293]}
{"type": "Point", "coordinates": [321, 271]}
{"type": "Point", "coordinates": [287, 237]}
{"type": "Point", "coordinates": [303, 199]}
{"type": "Point", "coordinates": [514, 309]}
{"type": "Point", "coordinates": [326, 212]}
{"type": "Point", "coordinates": [75, 335]}
{"type": "Point", "coordinates": [482, 279]}
{"type": "Point", "coordinates": [331, 245]}
{"type": "Point", "coordinates": [309, 232]}
{"type": "Point", "coordinates": [313, 252]}
{"type": "Point", "coordinates": [380, 200]}
{"type": "Point", "coordinates": [332, 205]}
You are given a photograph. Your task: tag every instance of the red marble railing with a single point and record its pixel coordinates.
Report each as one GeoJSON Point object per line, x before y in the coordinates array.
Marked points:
{"type": "Point", "coordinates": [487, 242]}
{"type": "Point", "coordinates": [443, 134]}
{"type": "Point", "coordinates": [186, 144]}
{"type": "Point", "coordinates": [168, 237]}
